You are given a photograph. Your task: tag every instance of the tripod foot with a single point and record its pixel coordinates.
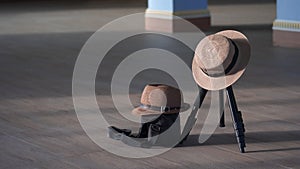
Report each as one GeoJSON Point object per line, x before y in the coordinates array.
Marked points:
{"type": "Point", "coordinates": [222, 120]}
{"type": "Point", "coordinates": [242, 150]}
{"type": "Point", "coordinates": [184, 139]}
{"type": "Point", "coordinates": [240, 136]}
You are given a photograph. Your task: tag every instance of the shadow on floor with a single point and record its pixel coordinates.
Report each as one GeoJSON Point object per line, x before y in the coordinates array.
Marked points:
{"type": "Point", "coordinates": [251, 137]}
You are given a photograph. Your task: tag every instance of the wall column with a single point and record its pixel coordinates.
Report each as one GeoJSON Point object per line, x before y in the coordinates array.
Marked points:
{"type": "Point", "coordinates": [286, 27]}
{"type": "Point", "coordinates": [160, 14]}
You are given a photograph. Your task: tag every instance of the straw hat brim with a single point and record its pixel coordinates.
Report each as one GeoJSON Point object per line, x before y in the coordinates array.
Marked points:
{"type": "Point", "coordinates": [141, 111]}
{"type": "Point", "coordinates": [222, 82]}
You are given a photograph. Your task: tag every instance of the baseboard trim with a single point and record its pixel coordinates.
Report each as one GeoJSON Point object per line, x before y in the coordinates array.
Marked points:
{"type": "Point", "coordinates": [176, 25]}
{"type": "Point", "coordinates": [285, 38]}
{"type": "Point", "coordinates": [286, 33]}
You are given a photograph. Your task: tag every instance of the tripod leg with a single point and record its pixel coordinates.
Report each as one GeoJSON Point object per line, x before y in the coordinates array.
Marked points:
{"type": "Point", "coordinates": [192, 117]}
{"type": "Point", "coordinates": [221, 102]}
{"type": "Point", "coordinates": [237, 120]}
{"type": "Point", "coordinates": [202, 94]}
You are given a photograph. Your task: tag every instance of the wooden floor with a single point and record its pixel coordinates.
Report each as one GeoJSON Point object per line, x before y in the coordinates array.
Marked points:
{"type": "Point", "coordinates": [39, 44]}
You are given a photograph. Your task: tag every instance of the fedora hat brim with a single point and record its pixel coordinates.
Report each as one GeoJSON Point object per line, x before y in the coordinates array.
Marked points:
{"type": "Point", "coordinates": [141, 111]}
{"type": "Point", "coordinates": [221, 82]}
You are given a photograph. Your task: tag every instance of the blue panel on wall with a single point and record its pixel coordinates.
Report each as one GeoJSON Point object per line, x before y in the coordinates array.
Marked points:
{"type": "Point", "coordinates": [165, 5]}
{"type": "Point", "coordinates": [185, 5]}
{"type": "Point", "coordinates": [177, 5]}
{"type": "Point", "coordinates": [288, 10]}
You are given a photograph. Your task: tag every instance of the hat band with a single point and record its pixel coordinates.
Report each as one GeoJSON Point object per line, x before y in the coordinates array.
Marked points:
{"type": "Point", "coordinates": [161, 109]}
{"type": "Point", "coordinates": [231, 65]}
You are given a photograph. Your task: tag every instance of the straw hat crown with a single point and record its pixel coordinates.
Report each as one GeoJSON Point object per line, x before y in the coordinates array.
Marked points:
{"type": "Point", "coordinates": [220, 59]}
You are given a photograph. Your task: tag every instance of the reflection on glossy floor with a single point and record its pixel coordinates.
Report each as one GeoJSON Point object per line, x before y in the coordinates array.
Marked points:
{"type": "Point", "coordinates": [38, 126]}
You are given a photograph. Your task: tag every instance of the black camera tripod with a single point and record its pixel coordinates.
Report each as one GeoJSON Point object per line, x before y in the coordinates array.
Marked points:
{"type": "Point", "coordinates": [236, 115]}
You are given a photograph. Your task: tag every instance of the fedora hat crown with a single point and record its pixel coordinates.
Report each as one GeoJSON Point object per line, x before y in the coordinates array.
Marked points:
{"type": "Point", "coordinates": [160, 98]}
{"type": "Point", "coordinates": [161, 95]}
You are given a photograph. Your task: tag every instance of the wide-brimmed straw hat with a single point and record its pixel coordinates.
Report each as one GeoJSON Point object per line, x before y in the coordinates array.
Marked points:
{"type": "Point", "coordinates": [221, 59]}
{"type": "Point", "coordinates": [161, 99]}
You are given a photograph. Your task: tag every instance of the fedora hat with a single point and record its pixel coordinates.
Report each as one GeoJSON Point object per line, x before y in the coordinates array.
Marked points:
{"type": "Point", "coordinates": [160, 99]}
{"type": "Point", "coordinates": [220, 59]}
